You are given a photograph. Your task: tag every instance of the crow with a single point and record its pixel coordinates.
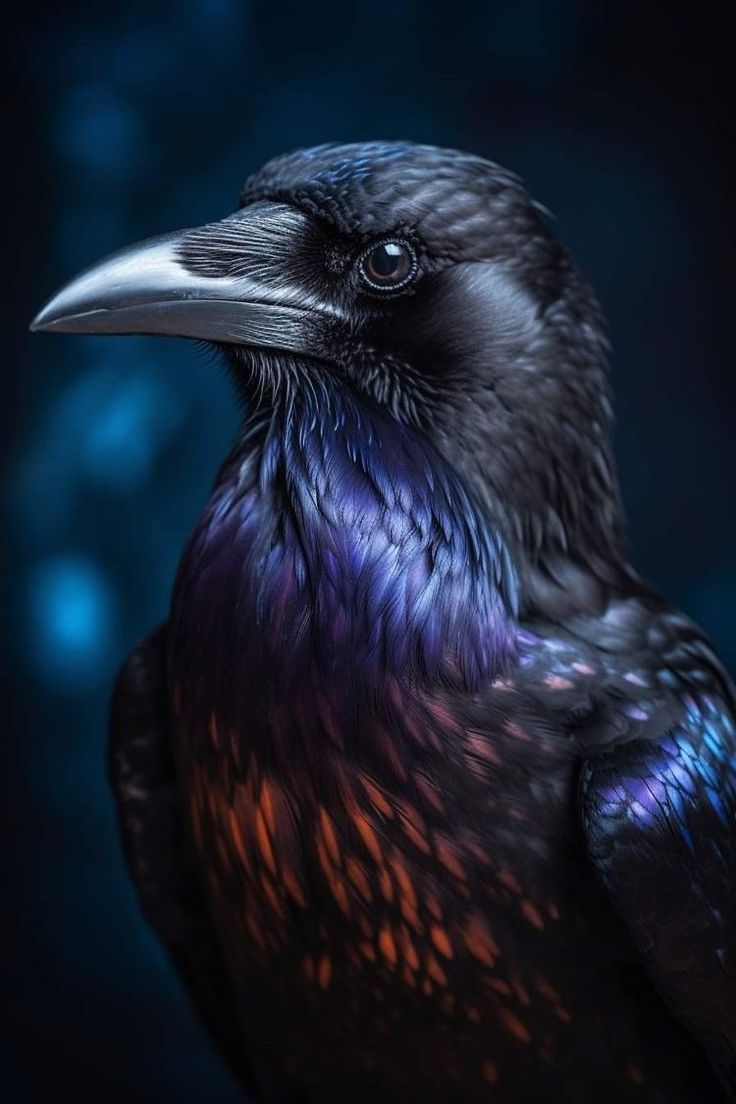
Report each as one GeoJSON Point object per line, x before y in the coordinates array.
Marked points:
{"type": "Point", "coordinates": [428, 794]}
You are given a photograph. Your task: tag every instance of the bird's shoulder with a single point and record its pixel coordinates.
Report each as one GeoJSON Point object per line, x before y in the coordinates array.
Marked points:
{"type": "Point", "coordinates": [658, 816]}
{"type": "Point", "coordinates": [626, 672]}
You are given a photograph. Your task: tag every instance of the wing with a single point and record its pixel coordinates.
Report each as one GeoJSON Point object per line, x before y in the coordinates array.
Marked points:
{"type": "Point", "coordinates": [157, 847]}
{"type": "Point", "coordinates": [659, 818]}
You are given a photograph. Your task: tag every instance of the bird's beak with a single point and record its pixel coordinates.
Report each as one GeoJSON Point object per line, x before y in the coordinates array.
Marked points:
{"type": "Point", "coordinates": [225, 282]}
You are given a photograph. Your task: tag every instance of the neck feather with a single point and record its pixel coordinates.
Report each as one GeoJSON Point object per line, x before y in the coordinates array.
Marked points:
{"type": "Point", "coordinates": [337, 537]}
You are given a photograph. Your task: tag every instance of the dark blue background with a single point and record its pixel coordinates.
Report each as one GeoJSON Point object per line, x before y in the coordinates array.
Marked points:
{"type": "Point", "coordinates": [148, 118]}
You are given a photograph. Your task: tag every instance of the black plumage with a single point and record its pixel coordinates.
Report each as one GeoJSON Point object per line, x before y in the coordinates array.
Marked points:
{"type": "Point", "coordinates": [429, 796]}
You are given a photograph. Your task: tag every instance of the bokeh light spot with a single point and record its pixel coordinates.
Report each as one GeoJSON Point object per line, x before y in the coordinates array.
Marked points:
{"type": "Point", "coordinates": [101, 133]}
{"type": "Point", "coordinates": [121, 442]}
{"type": "Point", "coordinates": [71, 617]}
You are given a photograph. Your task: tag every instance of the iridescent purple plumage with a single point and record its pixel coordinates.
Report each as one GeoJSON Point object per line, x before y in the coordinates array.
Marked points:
{"type": "Point", "coordinates": [342, 539]}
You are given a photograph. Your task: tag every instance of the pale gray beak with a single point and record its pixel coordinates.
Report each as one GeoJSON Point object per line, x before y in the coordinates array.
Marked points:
{"type": "Point", "coordinates": [225, 282]}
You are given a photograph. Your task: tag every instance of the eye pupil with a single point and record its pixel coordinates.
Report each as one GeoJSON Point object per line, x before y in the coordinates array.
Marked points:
{"type": "Point", "coordinates": [389, 265]}
{"type": "Point", "coordinates": [386, 260]}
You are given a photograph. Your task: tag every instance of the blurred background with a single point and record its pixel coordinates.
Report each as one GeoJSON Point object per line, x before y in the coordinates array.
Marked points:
{"type": "Point", "coordinates": [148, 118]}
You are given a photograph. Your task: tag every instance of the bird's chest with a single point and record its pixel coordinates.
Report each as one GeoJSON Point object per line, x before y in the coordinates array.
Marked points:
{"type": "Point", "coordinates": [382, 864]}
{"type": "Point", "coordinates": [412, 868]}
{"type": "Point", "coordinates": [373, 841]}
{"type": "Point", "coordinates": [371, 901]}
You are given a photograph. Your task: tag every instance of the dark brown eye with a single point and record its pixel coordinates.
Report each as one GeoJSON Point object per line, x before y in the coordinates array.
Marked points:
{"type": "Point", "coordinates": [388, 266]}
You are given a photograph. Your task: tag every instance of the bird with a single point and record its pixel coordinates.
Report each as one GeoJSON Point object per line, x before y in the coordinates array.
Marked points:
{"type": "Point", "coordinates": [427, 793]}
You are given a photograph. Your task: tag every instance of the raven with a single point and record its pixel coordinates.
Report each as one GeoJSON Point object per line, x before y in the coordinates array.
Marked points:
{"type": "Point", "coordinates": [429, 796]}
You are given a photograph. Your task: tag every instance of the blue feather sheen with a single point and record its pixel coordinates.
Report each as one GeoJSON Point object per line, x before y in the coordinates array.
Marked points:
{"type": "Point", "coordinates": [338, 538]}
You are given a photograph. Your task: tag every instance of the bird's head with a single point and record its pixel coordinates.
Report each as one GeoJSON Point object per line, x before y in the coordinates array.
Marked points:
{"type": "Point", "coordinates": [426, 280]}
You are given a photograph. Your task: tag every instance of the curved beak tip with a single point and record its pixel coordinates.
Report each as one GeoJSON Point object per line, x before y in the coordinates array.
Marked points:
{"type": "Point", "coordinates": [50, 319]}
{"type": "Point", "coordinates": [42, 321]}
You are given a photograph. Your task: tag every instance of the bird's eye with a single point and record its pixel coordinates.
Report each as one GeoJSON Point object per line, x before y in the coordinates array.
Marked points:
{"type": "Point", "coordinates": [388, 266]}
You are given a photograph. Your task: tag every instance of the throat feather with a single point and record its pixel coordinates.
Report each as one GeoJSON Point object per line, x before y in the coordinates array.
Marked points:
{"type": "Point", "coordinates": [337, 537]}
